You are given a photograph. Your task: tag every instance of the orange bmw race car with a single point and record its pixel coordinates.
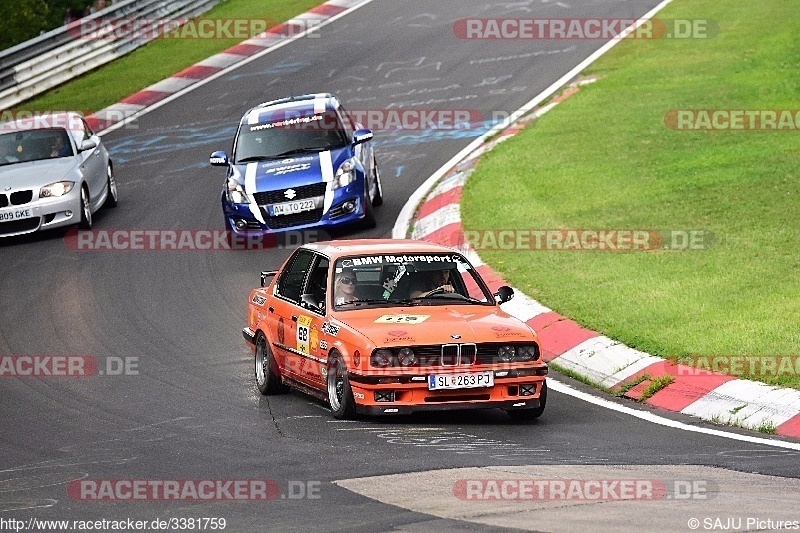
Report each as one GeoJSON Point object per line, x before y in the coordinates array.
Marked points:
{"type": "Point", "coordinates": [392, 326]}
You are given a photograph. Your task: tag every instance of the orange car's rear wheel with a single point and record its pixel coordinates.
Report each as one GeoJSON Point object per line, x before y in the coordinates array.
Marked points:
{"type": "Point", "coordinates": [268, 378]}
{"type": "Point", "coordinates": [340, 395]}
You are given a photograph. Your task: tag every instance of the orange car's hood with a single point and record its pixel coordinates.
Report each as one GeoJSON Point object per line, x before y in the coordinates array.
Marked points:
{"type": "Point", "coordinates": [435, 325]}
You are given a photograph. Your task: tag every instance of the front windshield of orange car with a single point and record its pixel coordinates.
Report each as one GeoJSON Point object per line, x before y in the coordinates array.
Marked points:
{"type": "Point", "coordinates": [381, 280]}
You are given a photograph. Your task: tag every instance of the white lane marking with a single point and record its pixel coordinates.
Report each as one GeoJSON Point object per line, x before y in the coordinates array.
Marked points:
{"type": "Point", "coordinates": [227, 70]}
{"type": "Point", "coordinates": [661, 421]}
{"type": "Point", "coordinates": [4, 509]}
{"type": "Point", "coordinates": [604, 361]}
{"type": "Point", "coordinates": [442, 217]}
{"type": "Point", "coordinates": [747, 403]}
{"type": "Point", "coordinates": [523, 307]}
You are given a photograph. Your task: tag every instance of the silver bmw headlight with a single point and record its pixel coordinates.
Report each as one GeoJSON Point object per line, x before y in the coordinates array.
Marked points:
{"type": "Point", "coordinates": [57, 189]}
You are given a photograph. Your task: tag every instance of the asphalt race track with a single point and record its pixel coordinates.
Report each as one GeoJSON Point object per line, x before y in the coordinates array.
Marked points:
{"type": "Point", "coordinates": [187, 407]}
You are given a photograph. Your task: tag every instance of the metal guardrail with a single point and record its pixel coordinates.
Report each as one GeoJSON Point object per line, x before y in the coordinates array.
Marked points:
{"type": "Point", "coordinates": [57, 56]}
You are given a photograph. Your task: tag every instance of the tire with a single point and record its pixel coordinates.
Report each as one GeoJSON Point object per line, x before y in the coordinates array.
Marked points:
{"type": "Point", "coordinates": [531, 414]}
{"type": "Point", "coordinates": [340, 395]}
{"type": "Point", "coordinates": [369, 212]}
{"type": "Point", "coordinates": [113, 196]}
{"type": "Point", "coordinates": [268, 378]}
{"type": "Point", "coordinates": [86, 209]}
{"type": "Point", "coordinates": [378, 199]}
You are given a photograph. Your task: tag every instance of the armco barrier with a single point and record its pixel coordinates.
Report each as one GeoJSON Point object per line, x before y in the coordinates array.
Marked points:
{"type": "Point", "coordinates": [44, 62]}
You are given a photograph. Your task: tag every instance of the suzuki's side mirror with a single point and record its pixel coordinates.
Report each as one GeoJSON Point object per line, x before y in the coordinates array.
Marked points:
{"type": "Point", "coordinates": [504, 294]}
{"type": "Point", "coordinates": [219, 159]}
{"type": "Point", "coordinates": [362, 136]}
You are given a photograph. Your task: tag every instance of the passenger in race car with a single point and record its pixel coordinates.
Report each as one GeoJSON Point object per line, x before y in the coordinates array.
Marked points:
{"type": "Point", "coordinates": [344, 288]}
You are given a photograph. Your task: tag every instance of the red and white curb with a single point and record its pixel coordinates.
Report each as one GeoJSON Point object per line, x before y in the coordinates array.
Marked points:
{"type": "Point", "coordinates": [594, 357]}
{"type": "Point", "coordinates": [151, 97]}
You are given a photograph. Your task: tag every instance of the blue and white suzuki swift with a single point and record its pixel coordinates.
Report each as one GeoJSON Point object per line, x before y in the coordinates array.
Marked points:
{"type": "Point", "coordinates": [299, 163]}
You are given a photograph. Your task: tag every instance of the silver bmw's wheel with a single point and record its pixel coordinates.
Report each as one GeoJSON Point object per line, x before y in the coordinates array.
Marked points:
{"type": "Point", "coordinates": [113, 195]}
{"type": "Point", "coordinates": [86, 209]}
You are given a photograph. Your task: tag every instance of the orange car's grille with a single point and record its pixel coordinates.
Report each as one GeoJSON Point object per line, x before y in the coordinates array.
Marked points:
{"type": "Point", "coordinates": [448, 354]}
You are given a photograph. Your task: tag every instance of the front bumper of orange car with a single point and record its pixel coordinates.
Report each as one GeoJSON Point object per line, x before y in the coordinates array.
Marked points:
{"type": "Point", "coordinates": [385, 395]}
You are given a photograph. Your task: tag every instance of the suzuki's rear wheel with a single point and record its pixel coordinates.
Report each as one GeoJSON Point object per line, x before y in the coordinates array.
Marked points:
{"type": "Point", "coordinates": [369, 212]}
{"type": "Point", "coordinates": [268, 378]}
{"type": "Point", "coordinates": [340, 395]}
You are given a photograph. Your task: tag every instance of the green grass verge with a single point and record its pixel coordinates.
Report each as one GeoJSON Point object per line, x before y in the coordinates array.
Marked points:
{"type": "Point", "coordinates": [605, 159]}
{"type": "Point", "coordinates": [159, 59]}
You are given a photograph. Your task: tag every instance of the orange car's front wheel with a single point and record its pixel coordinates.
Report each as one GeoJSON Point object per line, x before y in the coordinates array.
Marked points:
{"type": "Point", "coordinates": [340, 395]}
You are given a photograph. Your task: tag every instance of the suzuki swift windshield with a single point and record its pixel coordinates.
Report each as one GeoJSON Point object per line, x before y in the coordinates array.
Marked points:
{"type": "Point", "coordinates": [289, 135]}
